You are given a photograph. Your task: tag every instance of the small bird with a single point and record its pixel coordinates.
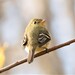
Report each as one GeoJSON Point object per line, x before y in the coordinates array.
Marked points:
{"type": "Point", "coordinates": [36, 37]}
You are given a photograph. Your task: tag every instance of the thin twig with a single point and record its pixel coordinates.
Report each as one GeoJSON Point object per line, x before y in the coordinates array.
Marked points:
{"type": "Point", "coordinates": [36, 55]}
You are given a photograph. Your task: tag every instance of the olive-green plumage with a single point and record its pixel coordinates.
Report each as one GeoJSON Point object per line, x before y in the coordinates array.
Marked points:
{"type": "Point", "coordinates": [35, 36]}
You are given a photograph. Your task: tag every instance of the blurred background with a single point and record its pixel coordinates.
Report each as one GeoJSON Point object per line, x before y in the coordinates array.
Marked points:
{"type": "Point", "coordinates": [60, 17]}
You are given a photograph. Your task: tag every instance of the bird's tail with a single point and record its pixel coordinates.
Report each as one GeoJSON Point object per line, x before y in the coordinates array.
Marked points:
{"type": "Point", "coordinates": [31, 55]}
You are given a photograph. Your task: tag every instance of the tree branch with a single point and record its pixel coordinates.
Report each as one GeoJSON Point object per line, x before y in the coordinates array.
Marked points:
{"type": "Point", "coordinates": [36, 55]}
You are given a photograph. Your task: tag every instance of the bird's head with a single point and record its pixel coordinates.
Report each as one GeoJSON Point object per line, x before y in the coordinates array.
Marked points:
{"type": "Point", "coordinates": [40, 22]}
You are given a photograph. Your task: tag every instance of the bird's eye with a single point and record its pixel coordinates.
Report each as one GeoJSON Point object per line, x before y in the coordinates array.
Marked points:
{"type": "Point", "coordinates": [35, 22]}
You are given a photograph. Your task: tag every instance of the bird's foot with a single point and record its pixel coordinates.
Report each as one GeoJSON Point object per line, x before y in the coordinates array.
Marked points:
{"type": "Point", "coordinates": [46, 49]}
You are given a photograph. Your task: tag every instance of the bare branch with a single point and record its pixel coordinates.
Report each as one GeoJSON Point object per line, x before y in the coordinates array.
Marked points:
{"type": "Point", "coordinates": [36, 55]}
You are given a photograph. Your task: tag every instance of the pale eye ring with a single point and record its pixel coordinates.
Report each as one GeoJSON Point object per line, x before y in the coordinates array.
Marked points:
{"type": "Point", "coordinates": [35, 22]}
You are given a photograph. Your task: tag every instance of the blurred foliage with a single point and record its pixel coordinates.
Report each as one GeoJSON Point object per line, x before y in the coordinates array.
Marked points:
{"type": "Point", "coordinates": [2, 54]}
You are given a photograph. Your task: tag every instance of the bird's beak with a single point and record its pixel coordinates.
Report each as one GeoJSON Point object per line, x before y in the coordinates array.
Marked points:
{"type": "Point", "coordinates": [43, 22]}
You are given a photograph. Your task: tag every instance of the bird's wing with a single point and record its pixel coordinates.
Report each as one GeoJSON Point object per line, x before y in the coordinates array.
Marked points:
{"type": "Point", "coordinates": [25, 40]}
{"type": "Point", "coordinates": [43, 39]}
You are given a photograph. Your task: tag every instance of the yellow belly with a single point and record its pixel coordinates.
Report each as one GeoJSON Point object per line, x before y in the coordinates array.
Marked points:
{"type": "Point", "coordinates": [39, 49]}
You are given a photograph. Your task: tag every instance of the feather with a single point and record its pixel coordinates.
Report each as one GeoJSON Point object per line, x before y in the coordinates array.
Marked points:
{"type": "Point", "coordinates": [43, 39]}
{"type": "Point", "coordinates": [25, 40]}
{"type": "Point", "coordinates": [31, 56]}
